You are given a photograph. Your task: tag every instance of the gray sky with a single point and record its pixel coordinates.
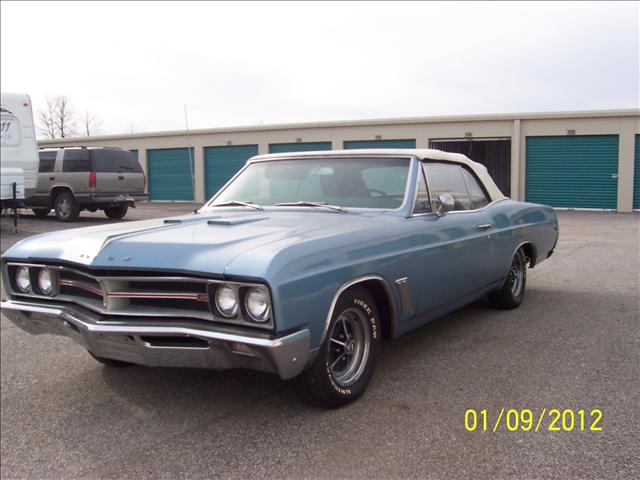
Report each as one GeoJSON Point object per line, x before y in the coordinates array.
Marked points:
{"type": "Point", "coordinates": [248, 63]}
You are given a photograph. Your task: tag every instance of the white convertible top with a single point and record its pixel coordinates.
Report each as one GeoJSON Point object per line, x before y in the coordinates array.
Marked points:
{"type": "Point", "coordinates": [420, 153]}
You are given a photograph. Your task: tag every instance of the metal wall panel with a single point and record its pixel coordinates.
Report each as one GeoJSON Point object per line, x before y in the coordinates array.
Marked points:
{"type": "Point", "coordinates": [298, 147]}
{"type": "Point", "coordinates": [170, 177]}
{"type": "Point", "coordinates": [636, 176]}
{"type": "Point", "coordinates": [572, 171]}
{"type": "Point", "coordinates": [222, 163]}
{"type": "Point", "coordinates": [408, 143]}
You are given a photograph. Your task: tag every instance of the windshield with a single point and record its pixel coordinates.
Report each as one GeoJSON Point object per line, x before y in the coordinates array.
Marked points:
{"type": "Point", "coordinates": [346, 182]}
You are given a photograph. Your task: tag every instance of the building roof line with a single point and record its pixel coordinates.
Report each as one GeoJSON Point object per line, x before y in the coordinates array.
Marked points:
{"type": "Point", "coordinates": [630, 112]}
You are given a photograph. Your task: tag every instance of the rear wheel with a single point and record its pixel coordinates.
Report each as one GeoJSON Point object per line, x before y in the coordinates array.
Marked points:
{"type": "Point", "coordinates": [344, 365]}
{"type": "Point", "coordinates": [116, 212]}
{"type": "Point", "coordinates": [110, 362]}
{"type": "Point", "coordinates": [66, 207]}
{"type": "Point", "coordinates": [511, 294]}
{"type": "Point", "coordinates": [41, 212]}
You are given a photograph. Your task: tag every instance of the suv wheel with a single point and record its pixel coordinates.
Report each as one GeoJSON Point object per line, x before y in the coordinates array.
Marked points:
{"type": "Point", "coordinates": [66, 207]}
{"type": "Point", "coordinates": [347, 357]}
{"type": "Point", "coordinates": [116, 212]}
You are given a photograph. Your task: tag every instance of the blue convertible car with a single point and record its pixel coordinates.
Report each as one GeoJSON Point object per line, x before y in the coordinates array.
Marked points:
{"type": "Point", "coordinates": [299, 266]}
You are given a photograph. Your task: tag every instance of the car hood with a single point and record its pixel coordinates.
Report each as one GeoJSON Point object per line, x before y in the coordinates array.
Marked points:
{"type": "Point", "coordinates": [199, 243]}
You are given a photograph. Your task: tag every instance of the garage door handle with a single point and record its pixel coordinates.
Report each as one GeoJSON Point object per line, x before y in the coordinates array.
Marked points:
{"type": "Point", "coordinates": [52, 178]}
{"type": "Point", "coordinates": [614, 175]}
{"type": "Point", "coordinates": [120, 177]}
{"type": "Point", "coordinates": [485, 226]}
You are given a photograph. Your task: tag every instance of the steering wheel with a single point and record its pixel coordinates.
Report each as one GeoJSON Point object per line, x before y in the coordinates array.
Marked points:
{"type": "Point", "coordinates": [375, 190]}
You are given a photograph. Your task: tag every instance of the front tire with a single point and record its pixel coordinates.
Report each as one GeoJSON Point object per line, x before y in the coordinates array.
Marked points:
{"type": "Point", "coordinates": [116, 212]}
{"type": "Point", "coordinates": [345, 362]}
{"type": "Point", "coordinates": [511, 293]}
{"type": "Point", "coordinates": [66, 207]}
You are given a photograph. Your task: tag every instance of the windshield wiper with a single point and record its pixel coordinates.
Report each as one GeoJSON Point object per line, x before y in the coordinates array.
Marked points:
{"type": "Point", "coordinates": [311, 204]}
{"type": "Point", "coordinates": [236, 203]}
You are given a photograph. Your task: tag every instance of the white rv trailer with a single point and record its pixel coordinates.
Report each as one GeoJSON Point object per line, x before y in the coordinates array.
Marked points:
{"type": "Point", "coordinates": [19, 156]}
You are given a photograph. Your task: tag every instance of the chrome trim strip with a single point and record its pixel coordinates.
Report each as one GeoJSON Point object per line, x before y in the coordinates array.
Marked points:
{"type": "Point", "coordinates": [405, 295]}
{"type": "Point", "coordinates": [198, 297]}
{"type": "Point", "coordinates": [82, 286]}
{"type": "Point", "coordinates": [351, 283]}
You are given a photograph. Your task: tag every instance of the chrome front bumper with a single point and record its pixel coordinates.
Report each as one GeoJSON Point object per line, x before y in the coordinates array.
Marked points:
{"type": "Point", "coordinates": [165, 343]}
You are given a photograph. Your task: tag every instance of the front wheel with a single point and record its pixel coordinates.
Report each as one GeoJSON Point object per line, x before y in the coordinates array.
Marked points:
{"type": "Point", "coordinates": [66, 207]}
{"type": "Point", "coordinates": [511, 293]}
{"type": "Point", "coordinates": [116, 212]}
{"type": "Point", "coordinates": [345, 362]}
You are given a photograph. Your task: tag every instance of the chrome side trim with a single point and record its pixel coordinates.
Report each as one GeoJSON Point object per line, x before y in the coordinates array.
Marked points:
{"type": "Point", "coordinates": [405, 295]}
{"type": "Point", "coordinates": [351, 283]}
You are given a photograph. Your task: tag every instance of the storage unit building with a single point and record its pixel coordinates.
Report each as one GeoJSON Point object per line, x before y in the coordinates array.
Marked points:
{"type": "Point", "coordinates": [407, 143]}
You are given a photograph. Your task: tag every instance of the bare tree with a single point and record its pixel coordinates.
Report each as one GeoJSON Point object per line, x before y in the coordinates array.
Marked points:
{"type": "Point", "coordinates": [58, 119]}
{"type": "Point", "coordinates": [90, 124]}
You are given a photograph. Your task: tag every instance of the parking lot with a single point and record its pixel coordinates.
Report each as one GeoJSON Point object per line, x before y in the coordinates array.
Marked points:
{"type": "Point", "coordinates": [574, 343]}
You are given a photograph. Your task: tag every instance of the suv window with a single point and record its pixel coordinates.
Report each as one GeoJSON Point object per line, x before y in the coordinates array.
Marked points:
{"type": "Point", "coordinates": [478, 196]}
{"type": "Point", "coordinates": [112, 160]}
{"type": "Point", "coordinates": [47, 161]}
{"type": "Point", "coordinates": [76, 161]}
{"type": "Point", "coordinates": [448, 178]}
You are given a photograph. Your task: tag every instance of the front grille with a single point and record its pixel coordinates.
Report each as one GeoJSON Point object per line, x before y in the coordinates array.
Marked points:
{"type": "Point", "coordinates": [143, 294]}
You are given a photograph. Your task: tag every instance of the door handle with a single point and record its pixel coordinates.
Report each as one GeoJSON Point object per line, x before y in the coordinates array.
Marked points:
{"type": "Point", "coordinates": [485, 226]}
{"type": "Point", "coordinates": [52, 178]}
{"type": "Point", "coordinates": [120, 177]}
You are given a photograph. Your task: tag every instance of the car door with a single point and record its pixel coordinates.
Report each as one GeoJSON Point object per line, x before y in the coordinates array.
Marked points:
{"type": "Point", "coordinates": [46, 178]}
{"type": "Point", "coordinates": [457, 246]}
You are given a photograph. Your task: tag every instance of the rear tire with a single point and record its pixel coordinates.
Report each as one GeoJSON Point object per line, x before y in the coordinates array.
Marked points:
{"type": "Point", "coordinates": [116, 212]}
{"type": "Point", "coordinates": [41, 212]}
{"type": "Point", "coordinates": [110, 362]}
{"type": "Point", "coordinates": [511, 293]}
{"type": "Point", "coordinates": [347, 357]}
{"type": "Point", "coordinates": [66, 207]}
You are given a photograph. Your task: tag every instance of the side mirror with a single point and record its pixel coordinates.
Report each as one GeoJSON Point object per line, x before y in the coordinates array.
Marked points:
{"type": "Point", "coordinates": [444, 203]}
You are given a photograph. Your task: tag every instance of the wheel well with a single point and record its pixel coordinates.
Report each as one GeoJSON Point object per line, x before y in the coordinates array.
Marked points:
{"type": "Point", "coordinates": [55, 191]}
{"type": "Point", "coordinates": [529, 250]}
{"type": "Point", "coordinates": [378, 291]}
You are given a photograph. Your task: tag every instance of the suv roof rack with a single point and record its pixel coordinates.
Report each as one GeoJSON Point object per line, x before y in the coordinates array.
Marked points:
{"type": "Point", "coordinates": [77, 146]}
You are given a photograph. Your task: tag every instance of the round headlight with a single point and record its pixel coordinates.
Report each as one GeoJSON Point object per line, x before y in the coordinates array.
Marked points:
{"type": "Point", "coordinates": [23, 281]}
{"type": "Point", "coordinates": [227, 301]}
{"type": "Point", "coordinates": [257, 303]}
{"type": "Point", "coordinates": [44, 281]}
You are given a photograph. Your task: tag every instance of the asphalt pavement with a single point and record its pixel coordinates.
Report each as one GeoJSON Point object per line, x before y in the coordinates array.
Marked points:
{"type": "Point", "coordinates": [573, 344]}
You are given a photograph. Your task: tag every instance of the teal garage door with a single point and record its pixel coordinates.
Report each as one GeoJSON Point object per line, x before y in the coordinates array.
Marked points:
{"type": "Point", "coordinates": [170, 176]}
{"type": "Point", "coordinates": [573, 171]}
{"type": "Point", "coordinates": [222, 163]}
{"type": "Point", "coordinates": [350, 144]}
{"type": "Point", "coordinates": [298, 147]}
{"type": "Point", "coordinates": [636, 177]}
